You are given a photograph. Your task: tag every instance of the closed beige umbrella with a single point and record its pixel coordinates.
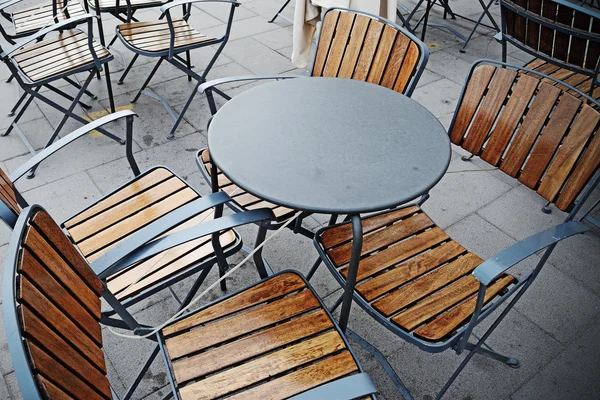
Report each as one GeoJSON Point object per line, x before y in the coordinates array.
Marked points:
{"type": "Point", "coordinates": [308, 13]}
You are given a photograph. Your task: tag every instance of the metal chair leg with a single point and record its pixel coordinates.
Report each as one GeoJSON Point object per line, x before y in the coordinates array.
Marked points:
{"type": "Point", "coordinates": [171, 134]}
{"type": "Point", "coordinates": [511, 362]}
{"type": "Point", "coordinates": [277, 14]}
{"type": "Point", "coordinates": [141, 374]}
{"type": "Point", "coordinates": [258, 259]}
{"type": "Point", "coordinates": [109, 88]}
{"type": "Point", "coordinates": [20, 113]}
{"type": "Point", "coordinates": [129, 66]}
{"type": "Point", "coordinates": [16, 107]}
{"type": "Point", "coordinates": [139, 93]}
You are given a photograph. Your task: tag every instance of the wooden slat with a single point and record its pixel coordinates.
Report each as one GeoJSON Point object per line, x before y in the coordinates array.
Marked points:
{"type": "Point", "coordinates": [583, 172]}
{"type": "Point", "coordinates": [394, 64]}
{"type": "Point", "coordinates": [509, 119]}
{"type": "Point", "coordinates": [547, 33]}
{"type": "Point", "coordinates": [136, 29]}
{"type": "Point", "coordinates": [357, 37]}
{"type": "Point", "coordinates": [475, 89]}
{"type": "Point", "coordinates": [112, 4]}
{"type": "Point", "coordinates": [408, 67]}
{"type": "Point", "coordinates": [301, 380]}
{"type": "Point", "coordinates": [58, 293]}
{"type": "Point", "coordinates": [545, 147]}
{"type": "Point", "coordinates": [34, 329]}
{"type": "Point", "coordinates": [365, 60]}
{"type": "Point", "coordinates": [520, 23]}
{"type": "Point", "coordinates": [240, 324]}
{"type": "Point", "coordinates": [7, 193]}
{"type": "Point", "coordinates": [277, 286]}
{"type": "Point", "coordinates": [325, 40]}
{"type": "Point", "coordinates": [52, 391]}
{"type": "Point", "coordinates": [135, 222]}
{"type": "Point", "coordinates": [561, 40]}
{"type": "Point", "coordinates": [50, 259]}
{"type": "Point", "coordinates": [407, 227]}
{"type": "Point", "coordinates": [55, 372]}
{"type": "Point", "coordinates": [63, 39]}
{"type": "Point", "coordinates": [45, 224]}
{"type": "Point", "coordinates": [593, 51]}
{"type": "Point", "coordinates": [343, 233]}
{"type": "Point", "coordinates": [410, 269]}
{"type": "Point", "coordinates": [125, 209]}
{"type": "Point", "coordinates": [437, 303]}
{"type": "Point", "coordinates": [250, 346]}
{"type": "Point", "coordinates": [493, 101]}
{"type": "Point", "coordinates": [530, 128]}
{"type": "Point", "coordinates": [533, 28]}
{"type": "Point", "coordinates": [52, 316]}
{"type": "Point", "coordinates": [560, 167]}
{"type": "Point", "coordinates": [132, 189]}
{"type": "Point", "coordinates": [427, 284]}
{"type": "Point", "coordinates": [397, 253]}
{"type": "Point", "coordinates": [262, 368]}
{"type": "Point", "coordinates": [51, 56]}
{"type": "Point", "coordinates": [448, 322]}
{"type": "Point", "coordinates": [338, 46]}
{"type": "Point", "coordinates": [382, 55]}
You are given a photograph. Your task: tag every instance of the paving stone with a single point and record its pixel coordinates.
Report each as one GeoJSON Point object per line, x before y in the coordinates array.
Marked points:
{"type": "Point", "coordinates": [37, 131]}
{"type": "Point", "coordinates": [13, 386]}
{"type": "Point", "coordinates": [221, 11]}
{"type": "Point", "coordinates": [244, 28]}
{"type": "Point", "coordinates": [275, 39]}
{"type": "Point", "coordinates": [250, 54]}
{"type": "Point", "coordinates": [462, 193]}
{"type": "Point", "coordinates": [440, 97]}
{"type": "Point", "coordinates": [559, 305]}
{"type": "Point", "coordinates": [268, 8]}
{"type": "Point", "coordinates": [4, 394]}
{"type": "Point", "coordinates": [573, 374]}
{"type": "Point", "coordinates": [519, 214]}
{"type": "Point", "coordinates": [6, 365]}
{"type": "Point", "coordinates": [446, 63]}
{"type": "Point", "coordinates": [10, 94]}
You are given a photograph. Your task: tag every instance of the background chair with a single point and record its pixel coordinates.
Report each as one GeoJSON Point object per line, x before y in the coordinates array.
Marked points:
{"type": "Point", "coordinates": [428, 289]}
{"type": "Point", "coordinates": [565, 39]}
{"type": "Point", "coordinates": [167, 38]}
{"type": "Point", "coordinates": [155, 203]}
{"type": "Point", "coordinates": [52, 311]}
{"type": "Point", "coordinates": [49, 59]}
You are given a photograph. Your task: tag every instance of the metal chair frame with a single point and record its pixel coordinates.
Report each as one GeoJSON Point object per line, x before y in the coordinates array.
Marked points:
{"type": "Point", "coordinates": [171, 56]}
{"type": "Point", "coordinates": [486, 273]}
{"type": "Point", "coordinates": [354, 386]}
{"type": "Point", "coordinates": [506, 5]}
{"type": "Point", "coordinates": [31, 89]}
{"type": "Point", "coordinates": [110, 263]}
{"type": "Point", "coordinates": [209, 87]}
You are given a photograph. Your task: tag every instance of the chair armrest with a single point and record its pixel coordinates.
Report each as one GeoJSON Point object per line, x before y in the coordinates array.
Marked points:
{"type": "Point", "coordinates": [44, 32]}
{"type": "Point", "coordinates": [181, 2]}
{"type": "Point", "coordinates": [127, 254]}
{"type": "Point", "coordinates": [215, 82]}
{"type": "Point", "coordinates": [351, 387]}
{"type": "Point", "coordinates": [71, 137]}
{"type": "Point", "coordinates": [492, 268]}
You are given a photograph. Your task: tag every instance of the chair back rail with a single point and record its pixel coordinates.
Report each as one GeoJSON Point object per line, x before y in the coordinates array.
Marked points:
{"type": "Point", "coordinates": [52, 311]}
{"type": "Point", "coordinates": [533, 131]}
{"type": "Point", "coordinates": [364, 47]}
{"type": "Point", "coordinates": [559, 33]}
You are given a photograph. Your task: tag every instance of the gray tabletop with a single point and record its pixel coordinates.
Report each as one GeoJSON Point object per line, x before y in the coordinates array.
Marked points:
{"type": "Point", "coordinates": [329, 145]}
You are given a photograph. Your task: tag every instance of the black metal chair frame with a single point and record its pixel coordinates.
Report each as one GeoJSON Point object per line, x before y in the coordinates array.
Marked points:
{"type": "Point", "coordinates": [209, 87]}
{"type": "Point", "coordinates": [280, 13]}
{"type": "Point", "coordinates": [171, 56]}
{"type": "Point", "coordinates": [504, 6]}
{"type": "Point", "coordinates": [114, 260]}
{"type": "Point", "coordinates": [486, 273]}
{"type": "Point", "coordinates": [31, 89]}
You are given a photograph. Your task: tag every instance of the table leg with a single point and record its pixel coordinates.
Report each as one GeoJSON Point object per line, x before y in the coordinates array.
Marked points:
{"type": "Point", "coordinates": [352, 271]}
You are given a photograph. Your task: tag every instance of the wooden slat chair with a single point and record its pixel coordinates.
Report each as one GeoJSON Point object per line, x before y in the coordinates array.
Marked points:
{"type": "Point", "coordinates": [565, 39]}
{"type": "Point", "coordinates": [167, 38]}
{"type": "Point", "coordinates": [273, 340]}
{"type": "Point", "coordinates": [352, 45]}
{"type": "Point", "coordinates": [48, 56]}
{"type": "Point", "coordinates": [153, 204]}
{"type": "Point", "coordinates": [413, 278]}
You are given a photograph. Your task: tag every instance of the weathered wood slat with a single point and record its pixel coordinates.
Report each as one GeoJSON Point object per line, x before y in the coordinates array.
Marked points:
{"type": "Point", "coordinates": [251, 346]}
{"type": "Point", "coordinates": [365, 59]}
{"type": "Point", "coordinates": [357, 37]}
{"type": "Point", "coordinates": [450, 321]}
{"type": "Point", "coordinates": [409, 67]}
{"type": "Point", "coordinates": [275, 287]}
{"type": "Point", "coordinates": [425, 285]}
{"type": "Point", "coordinates": [262, 368]}
{"type": "Point", "coordinates": [7, 193]}
{"type": "Point", "coordinates": [338, 47]}
{"type": "Point", "coordinates": [382, 55]}
{"type": "Point", "coordinates": [325, 40]}
{"type": "Point", "coordinates": [394, 64]}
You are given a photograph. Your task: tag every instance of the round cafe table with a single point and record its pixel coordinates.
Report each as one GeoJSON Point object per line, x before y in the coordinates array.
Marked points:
{"type": "Point", "coordinates": [330, 146]}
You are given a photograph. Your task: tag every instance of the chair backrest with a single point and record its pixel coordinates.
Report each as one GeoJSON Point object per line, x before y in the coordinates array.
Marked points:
{"type": "Point", "coordinates": [8, 194]}
{"type": "Point", "coordinates": [51, 301]}
{"type": "Point", "coordinates": [563, 34]}
{"type": "Point", "coordinates": [543, 136]}
{"type": "Point", "coordinates": [364, 47]}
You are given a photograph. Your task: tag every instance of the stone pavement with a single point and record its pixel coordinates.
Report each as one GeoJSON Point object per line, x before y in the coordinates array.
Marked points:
{"type": "Point", "coordinates": [554, 330]}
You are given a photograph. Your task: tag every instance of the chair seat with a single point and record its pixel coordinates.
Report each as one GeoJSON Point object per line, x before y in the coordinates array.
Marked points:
{"type": "Point", "coordinates": [270, 341]}
{"type": "Point", "coordinates": [411, 272]}
{"type": "Point", "coordinates": [106, 5]}
{"type": "Point", "coordinates": [106, 223]}
{"type": "Point", "coordinates": [32, 19]}
{"type": "Point", "coordinates": [55, 56]}
{"type": "Point", "coordinates": [154, 36]}
{"type": "Point", "coordinates": [244, 200]}
{"type": "Point", "coordinates": [579, 81]}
